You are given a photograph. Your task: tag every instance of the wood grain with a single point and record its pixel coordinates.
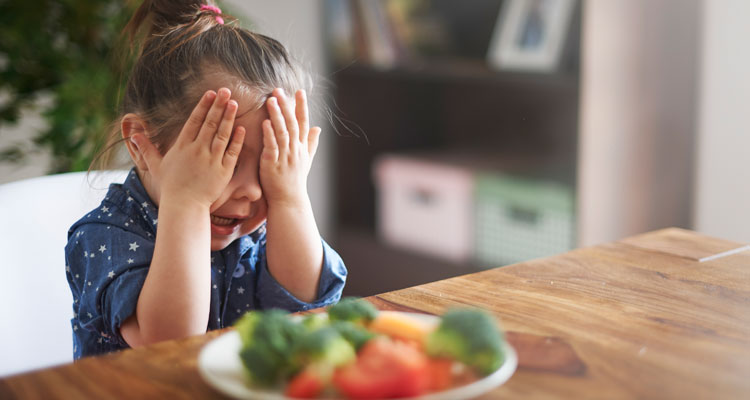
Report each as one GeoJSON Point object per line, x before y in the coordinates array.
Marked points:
{"type": "Point", "coordinates": [637, 318]}
{"type": "Point", "coordinates": [681, 242]}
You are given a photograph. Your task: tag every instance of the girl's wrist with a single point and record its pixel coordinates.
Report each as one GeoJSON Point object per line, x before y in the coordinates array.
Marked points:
{"type": "Point", "coordinates": [290, 203]}
{"type": "Point", "coordinates": [183, 205]}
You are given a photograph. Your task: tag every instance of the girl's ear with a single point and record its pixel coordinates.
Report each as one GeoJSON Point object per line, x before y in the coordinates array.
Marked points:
{"type": "Point", "coordinates": [130, 125]}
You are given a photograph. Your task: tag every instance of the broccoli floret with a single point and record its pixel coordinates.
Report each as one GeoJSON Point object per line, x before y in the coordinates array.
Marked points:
{"type": "Point", "coordinates": [246, 325]}
{"type": "Point", "coordinates": [312, 322]}
{"type": "Point", "coordinates": [323, 347]}
{"type": "Point", "coordinates": [268, 338]}
{"type": "Point", "coordinates": [353, 333]}
{"type": "Point", "coordinates": [469, 336]}
{"type": "Point", "coordinates": [354, 310]}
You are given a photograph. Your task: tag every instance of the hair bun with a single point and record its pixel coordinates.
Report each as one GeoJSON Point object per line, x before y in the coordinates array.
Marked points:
{"type": "Point", "coordinates": [156, 16]}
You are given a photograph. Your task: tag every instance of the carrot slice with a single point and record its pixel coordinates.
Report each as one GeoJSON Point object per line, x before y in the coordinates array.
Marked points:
{"type": "Point", "coordinates": [401, 326]}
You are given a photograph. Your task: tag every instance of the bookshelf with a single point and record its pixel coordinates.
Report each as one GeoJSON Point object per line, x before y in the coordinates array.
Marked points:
{"type": "Point", "coordinates": [450, 101]}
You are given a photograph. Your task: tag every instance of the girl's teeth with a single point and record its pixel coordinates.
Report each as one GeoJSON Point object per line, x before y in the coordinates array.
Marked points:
{"type": "Point", "coordinates": [221, 221]}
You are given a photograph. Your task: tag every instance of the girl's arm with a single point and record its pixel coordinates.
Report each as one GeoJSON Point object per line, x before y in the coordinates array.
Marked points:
{"type": "Point", "coordinates": [293, 246]}
{"type": "Point", "coordinates": [175, 298]}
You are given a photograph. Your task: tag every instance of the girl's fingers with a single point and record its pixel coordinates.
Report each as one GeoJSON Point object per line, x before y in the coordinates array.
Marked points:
{"type": "Point", "coordinates": [213, 118]}
{"type": "Point", "coordinates": [270, 145]}
{"type": "Point", "coordinates": [195, 121]}
{"type": "Point", "coordinates": [224, 133]}
{"type": "Point", "coordinates": [313, 140]}
{"type": "Point", "coordinates": [287, 111]}
{"type": "Point", "coordinates": [277, 123]}
{"type": "Point", "coordinates": [302, 115]}
{"type": "Point", "coordinates": [234, 148]}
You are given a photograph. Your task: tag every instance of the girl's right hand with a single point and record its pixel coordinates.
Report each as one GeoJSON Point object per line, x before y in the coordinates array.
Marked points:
{"type": "Point", "coordinates": [200, 163]}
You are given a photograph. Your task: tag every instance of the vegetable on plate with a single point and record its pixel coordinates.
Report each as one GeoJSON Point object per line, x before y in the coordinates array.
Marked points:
{"type": "Point", "coordinates": [358, 352]}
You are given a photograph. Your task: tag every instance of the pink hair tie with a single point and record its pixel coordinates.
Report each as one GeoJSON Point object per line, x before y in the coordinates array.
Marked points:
{"type": "Point", "coordinates": [215, 10]}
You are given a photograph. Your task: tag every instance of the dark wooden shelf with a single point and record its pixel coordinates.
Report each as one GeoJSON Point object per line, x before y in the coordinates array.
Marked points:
{"type": "Point", "coordinates": [376, 267]}
{"type": "Point", "coordinates": [447, 71]}
{"type": "Point", "coordinates": [526, 123]}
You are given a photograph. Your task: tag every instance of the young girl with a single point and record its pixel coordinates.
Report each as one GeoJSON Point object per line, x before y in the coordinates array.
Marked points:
{"type": "Point", "coordinates": [216, 122]}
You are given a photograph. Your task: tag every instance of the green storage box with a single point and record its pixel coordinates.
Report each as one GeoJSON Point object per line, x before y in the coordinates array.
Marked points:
{"type": "Point", "coordinates": [520, 219]}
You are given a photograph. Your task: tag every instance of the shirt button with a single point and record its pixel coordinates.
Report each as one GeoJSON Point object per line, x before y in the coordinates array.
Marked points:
{"type": "Point", "coordinates": [239, 271]}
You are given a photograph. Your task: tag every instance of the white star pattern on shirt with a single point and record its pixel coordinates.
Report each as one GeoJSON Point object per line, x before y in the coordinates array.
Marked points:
{"type": "Point", "coordinates": [134, 246]}
{"type": "Point", "coordinates": [215, 287]}
{"type": "Point", "coordinates": [105, 209]}
{"type": "Point", "coordinates": [130, 261]}
{"type": "Point", "coordinates": [145, 204]}
{"type": "Point", "coordinates": [126, 224]}
{"type": "Point", "coordinates": [85, 254]}
{"type": "Point", "coordinates": [92, 255]}
{"type": "Point", "coordinates": [111, 274]}
{"type": "Point", "coordinates": [89, 315]}
{"type": "Point", "coordinates": [67, 268]}
{"type": "Point", "coordinates": [155, 221]}
{"type": "Point", "coordinates": [130, 198]}
{"type": "Point", "coordinates": [240, 290]}
{"type": "Point", "coordinates": [102, 248]}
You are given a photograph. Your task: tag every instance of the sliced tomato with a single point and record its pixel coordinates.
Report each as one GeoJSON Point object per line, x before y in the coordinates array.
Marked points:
{"type": "Point", "coordinates": [441, 374]}
{"type": "Point", "coordinates": [384, 368]}
{"type": "Point", "coordinates": [306, 384]}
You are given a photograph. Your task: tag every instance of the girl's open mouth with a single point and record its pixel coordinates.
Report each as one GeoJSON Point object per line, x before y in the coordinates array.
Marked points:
{"type": "Point", "coordinates": [221, 221]}
{"type": "Point", "coordinates": [224, 225]}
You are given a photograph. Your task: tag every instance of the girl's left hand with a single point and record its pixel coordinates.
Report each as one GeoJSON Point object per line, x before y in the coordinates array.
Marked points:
{"type": "Point", "coordinates": [289, 145]}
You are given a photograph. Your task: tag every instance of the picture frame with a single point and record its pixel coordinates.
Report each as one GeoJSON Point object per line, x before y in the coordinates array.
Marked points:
{"type": "Point", "coordinates": [530, 35]}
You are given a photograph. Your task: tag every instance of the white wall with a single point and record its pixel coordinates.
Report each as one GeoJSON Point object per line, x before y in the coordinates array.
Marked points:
{"type": "Point", "coordinates": [639, 71]}
{"type": "Point", "coordinates": [722, 195]}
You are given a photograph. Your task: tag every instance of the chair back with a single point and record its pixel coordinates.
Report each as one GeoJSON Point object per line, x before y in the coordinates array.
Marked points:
{"type": "Point", "coordinates": [35, 300]}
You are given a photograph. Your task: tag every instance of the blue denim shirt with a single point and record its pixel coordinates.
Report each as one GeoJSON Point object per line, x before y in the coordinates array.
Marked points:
{"type": "Point", "coordinates": [109, 252]}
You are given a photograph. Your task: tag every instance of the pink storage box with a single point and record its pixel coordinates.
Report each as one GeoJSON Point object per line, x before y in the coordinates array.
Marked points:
{"type": "Point", "coordinates": [425, 206]}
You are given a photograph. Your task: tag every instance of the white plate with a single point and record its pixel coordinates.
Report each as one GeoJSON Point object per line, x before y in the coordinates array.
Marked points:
{"type": "Point", "coordinates": [220, 365]}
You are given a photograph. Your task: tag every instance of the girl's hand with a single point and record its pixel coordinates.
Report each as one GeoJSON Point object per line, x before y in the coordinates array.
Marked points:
{"type": "Point", "coordinates": [200, 163]}
{"type": "Point", "coordinates": [289, 145]}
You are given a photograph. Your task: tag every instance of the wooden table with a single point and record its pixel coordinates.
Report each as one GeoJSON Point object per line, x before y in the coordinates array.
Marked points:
{"type": "Point", "coordinates": [661, 315]}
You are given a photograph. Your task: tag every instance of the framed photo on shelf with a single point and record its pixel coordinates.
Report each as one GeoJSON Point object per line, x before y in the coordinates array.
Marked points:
{"type": "Point", "coordinates": [530, 34]}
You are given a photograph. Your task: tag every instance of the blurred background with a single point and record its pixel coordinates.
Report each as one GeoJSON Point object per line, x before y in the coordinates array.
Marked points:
{"type": "Point", "coordinates": [458, 135]}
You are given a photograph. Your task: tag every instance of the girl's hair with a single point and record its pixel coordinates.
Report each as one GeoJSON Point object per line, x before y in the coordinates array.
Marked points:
{"type": "Point", "coordinates": [178, 44]}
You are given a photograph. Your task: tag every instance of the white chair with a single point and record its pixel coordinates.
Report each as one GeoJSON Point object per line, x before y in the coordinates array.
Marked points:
{"type": "Point", "coordinates": [35, 300]}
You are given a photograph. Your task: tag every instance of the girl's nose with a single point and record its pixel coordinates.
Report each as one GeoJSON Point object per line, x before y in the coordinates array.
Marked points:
{"type": "Point", "coordinates": [246, 186]}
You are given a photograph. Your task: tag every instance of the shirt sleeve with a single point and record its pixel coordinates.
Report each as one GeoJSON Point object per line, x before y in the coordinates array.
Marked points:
{"type": "Point", "coordinates": [108, 266]}
{"type": "Point", "coordinates": [271, 294]}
